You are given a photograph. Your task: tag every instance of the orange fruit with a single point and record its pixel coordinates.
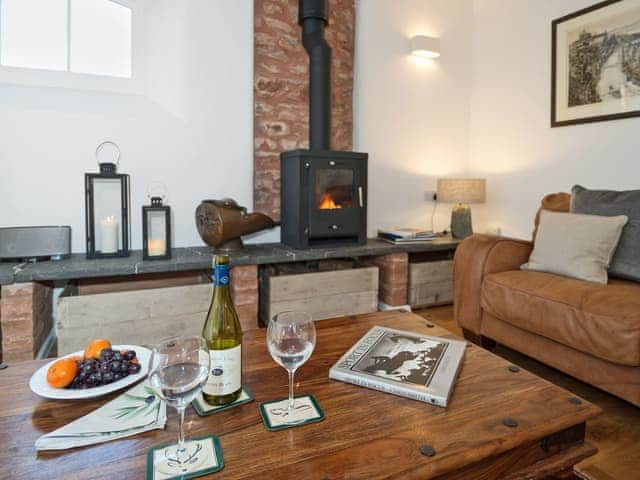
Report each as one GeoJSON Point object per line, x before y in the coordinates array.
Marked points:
{"type": "Point", "coordinates": [62, 372]}
{"type": "Point", "coordinates": [95, 347]}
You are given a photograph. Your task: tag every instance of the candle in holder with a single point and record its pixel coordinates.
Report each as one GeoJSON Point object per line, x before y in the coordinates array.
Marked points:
{"type": "Point", "coordinates": [156, 247]}
{"type": "Point", "coordinates": [109, 235]}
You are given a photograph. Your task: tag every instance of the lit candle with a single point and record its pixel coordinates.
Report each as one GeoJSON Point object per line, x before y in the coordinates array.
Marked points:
{"type": "Point", "coordinates": [156, 247]}
{"type": "Point", "coordinates": [109, 235]}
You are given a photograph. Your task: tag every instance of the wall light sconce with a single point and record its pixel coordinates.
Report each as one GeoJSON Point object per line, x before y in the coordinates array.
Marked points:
{"type": "Point", "coordinates": [425, 47]}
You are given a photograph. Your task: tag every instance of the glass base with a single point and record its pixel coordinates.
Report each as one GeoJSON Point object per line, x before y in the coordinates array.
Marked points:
{"type": "Point", "coordinates": [276, 414]}
{"type": "Point", "coordinates": [172, 463]}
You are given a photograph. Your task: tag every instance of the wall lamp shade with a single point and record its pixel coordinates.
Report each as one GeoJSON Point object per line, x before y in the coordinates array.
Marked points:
{"type": "Point", "coordinates": [462, 192]}
{"type": "Point", "coordinates": [425, 47]}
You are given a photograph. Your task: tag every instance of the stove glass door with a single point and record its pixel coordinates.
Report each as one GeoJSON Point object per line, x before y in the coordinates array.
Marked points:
{"type": "Point", "coordinates": [334, 188]}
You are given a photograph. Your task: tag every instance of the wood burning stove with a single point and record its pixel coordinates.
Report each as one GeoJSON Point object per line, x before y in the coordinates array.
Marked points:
{"type": "Point", "coordinates": [323, 193]}
{"type": "Point", "coordinates": [324, 198]}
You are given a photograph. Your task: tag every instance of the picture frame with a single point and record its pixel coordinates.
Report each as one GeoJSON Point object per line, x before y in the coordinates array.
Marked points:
{"type": "Point", "coordinates": [595, 64]}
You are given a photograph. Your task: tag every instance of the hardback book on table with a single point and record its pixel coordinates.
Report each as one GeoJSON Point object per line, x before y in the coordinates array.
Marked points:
{"type": "Point", "coordinates": [403, 363]}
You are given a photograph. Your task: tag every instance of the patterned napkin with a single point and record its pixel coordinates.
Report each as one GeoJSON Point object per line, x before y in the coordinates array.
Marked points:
{"type": "Point", "coordinates": [136, 411]}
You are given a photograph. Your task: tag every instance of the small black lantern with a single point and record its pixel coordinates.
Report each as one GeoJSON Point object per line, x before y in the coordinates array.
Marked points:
{"type": "Point", "coordinates": [156, 230]}
{"type": "Point", "coordinates": [107, 207]}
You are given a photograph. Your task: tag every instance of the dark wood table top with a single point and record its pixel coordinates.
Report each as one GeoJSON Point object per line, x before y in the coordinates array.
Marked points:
{"type": "Point", "coordinates": [366, 434]}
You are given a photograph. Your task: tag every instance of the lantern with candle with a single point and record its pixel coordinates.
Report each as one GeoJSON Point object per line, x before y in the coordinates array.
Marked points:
{"type": "Point", "coordinates": [107, 206]}
{"type": "Point", "coordinates": [156, 226]}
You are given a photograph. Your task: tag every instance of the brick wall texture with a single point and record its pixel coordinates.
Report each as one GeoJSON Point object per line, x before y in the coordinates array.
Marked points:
{"type": "Point", "coordinates": [394, 277]}
{"type": "Point", "coordinates": [25, 319]}
{"type": "Point", "coordinates": [281, 89]}
{"type": "Point", "coordinates": [244, 291]}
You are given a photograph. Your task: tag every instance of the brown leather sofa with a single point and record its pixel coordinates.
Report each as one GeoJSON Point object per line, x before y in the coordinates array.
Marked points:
{"type": "Point", "coordinates": [587, 330]}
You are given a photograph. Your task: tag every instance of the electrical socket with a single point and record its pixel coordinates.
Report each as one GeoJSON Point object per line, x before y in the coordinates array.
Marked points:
{"type": "Point", "coordinates": [430, 195]}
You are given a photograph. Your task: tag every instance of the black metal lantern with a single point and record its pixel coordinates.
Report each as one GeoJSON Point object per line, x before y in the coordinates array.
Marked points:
{"type": "Point", "coordinates": [107, 208]}
{"type": "Point", "coordinates": [156, 230]}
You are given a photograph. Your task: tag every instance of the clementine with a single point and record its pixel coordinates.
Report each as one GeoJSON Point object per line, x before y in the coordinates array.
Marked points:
{"type": "Point", "coordinates": [95, 347]}
{"type": "Point", "coordinates": [62, 372]}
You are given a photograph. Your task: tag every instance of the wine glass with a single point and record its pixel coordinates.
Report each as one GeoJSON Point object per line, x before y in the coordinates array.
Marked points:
{"type": "Point", "coordinates": [178, 369]}
{"type": "Point", "coordinates": [291, 338]}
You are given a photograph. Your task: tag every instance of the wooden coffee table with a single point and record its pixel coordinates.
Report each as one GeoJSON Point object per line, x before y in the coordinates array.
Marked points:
{"type": "Point", "coordinates": [499, 424]}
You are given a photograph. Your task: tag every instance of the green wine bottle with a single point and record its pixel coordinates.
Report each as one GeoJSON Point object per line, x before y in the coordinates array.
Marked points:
{"type": "Point", "coordinates": [223, 334]}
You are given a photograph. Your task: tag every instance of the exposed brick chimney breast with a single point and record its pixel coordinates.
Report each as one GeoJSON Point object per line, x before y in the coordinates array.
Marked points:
{"type": "Point", "coordinates": [281, 89]}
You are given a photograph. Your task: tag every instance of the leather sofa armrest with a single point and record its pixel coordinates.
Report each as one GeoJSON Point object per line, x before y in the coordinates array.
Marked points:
{"type": "Point", "coordinates": [476, 257]}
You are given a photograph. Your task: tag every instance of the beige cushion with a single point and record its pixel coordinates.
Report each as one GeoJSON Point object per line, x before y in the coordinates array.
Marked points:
{"type": "Point", "coordinates": [574, 245]}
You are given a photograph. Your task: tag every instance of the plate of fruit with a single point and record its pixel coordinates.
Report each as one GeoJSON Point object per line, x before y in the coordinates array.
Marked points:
{"type": "Point", "coordinates": [100, 369]}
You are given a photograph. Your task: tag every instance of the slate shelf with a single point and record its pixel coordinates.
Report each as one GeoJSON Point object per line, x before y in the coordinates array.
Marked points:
{"type": "Point", "coordinates": [6, 273]}
{"type": "Point", "coordinates": [198, 258]}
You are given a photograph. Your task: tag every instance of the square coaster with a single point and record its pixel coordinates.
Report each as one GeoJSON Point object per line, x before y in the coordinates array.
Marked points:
{"type": "Point", "coordinates": [275, 413]}
{"type": "Point", "coordinates": [203, 409]}
{"type": "Point", "coordinates": [204, 459]}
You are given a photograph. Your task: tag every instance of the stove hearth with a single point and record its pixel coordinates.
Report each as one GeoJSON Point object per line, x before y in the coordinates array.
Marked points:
{"type": "Point", "coordinates": [323, 192]}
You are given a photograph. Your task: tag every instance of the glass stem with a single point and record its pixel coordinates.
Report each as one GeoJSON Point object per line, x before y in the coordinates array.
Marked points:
{"type": "Point", "coordinates": [291, 400]}
{"type": "Point", "coordinates": [181, 449]}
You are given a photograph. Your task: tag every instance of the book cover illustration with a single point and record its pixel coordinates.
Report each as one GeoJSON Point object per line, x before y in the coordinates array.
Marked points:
{"type": "Point", "coordinates": [402, 358]}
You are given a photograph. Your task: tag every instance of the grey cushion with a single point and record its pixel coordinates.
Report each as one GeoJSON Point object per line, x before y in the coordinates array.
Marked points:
{"type": "Point", "coordinates": [626, 261]}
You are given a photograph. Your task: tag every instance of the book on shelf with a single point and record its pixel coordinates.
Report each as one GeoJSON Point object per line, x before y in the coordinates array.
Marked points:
{"type": "Point", "coordinates": [405, 233]}
{"type": "Point", "coordinates": [407, 236]}
{"type": "Point", "coordinates": [408, 241]}
{"type": "Point", "coordinates": [420, 367]}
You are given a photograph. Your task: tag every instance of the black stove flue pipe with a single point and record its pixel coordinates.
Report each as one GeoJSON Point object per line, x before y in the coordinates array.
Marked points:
{"type": "Point", "coordinates": [313, 16]}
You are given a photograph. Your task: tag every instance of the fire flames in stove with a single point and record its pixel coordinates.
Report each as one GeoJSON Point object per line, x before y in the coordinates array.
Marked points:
{"type": "Point", "coordinates": [327, 203]}
{"type": "Point", "coordinates": [335, 197]}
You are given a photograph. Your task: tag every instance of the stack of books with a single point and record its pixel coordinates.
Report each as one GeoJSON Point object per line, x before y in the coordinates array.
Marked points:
{"type": "Point", "coordinates": [405, 236]}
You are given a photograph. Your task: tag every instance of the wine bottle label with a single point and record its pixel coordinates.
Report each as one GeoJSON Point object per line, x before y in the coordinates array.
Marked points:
{"type": "Point", "coordinates": [226, 371]}
{"type": "Point", "coordinates": [221, 275]}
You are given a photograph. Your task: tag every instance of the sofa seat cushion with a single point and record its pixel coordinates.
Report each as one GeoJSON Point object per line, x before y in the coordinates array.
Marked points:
{"type": "Point", "coordinates": [601, 320]}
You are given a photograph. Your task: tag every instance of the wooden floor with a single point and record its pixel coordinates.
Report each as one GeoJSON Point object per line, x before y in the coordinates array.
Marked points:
{"type": "Point", "coordinates": [616, 432]}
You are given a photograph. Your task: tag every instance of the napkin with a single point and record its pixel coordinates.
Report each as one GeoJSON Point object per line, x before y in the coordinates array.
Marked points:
{"type": "Point", "coordinates": [136, 411]}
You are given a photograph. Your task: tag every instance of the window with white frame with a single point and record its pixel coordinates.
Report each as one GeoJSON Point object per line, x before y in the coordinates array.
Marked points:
{"type": "Point", "coordinates": [77, 36]}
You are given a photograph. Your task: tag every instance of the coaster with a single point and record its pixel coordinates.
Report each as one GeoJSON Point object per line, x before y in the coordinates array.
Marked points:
{"type": "Point", "coordinates": [205, 456]}
{"type": "Point", "coordinates": [275, 413]}
{"type": "Point", "coordinates": [203, 409]}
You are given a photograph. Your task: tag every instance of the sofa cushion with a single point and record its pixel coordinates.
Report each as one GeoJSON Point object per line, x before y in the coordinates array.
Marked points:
{"type": "Point", "coordinates": [626, 261]}
{"type": "Point", "coordinates": [602, 320]}
{"type": "Point", "coordinates": [553, 202]}
{"type": "Point", "coordinates": [574, 245]}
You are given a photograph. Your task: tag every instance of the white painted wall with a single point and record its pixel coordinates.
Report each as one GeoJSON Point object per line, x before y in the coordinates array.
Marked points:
{"type": "Point", "coordinates": [192, 129]}
{"type": "Point", "coordinates": [512, 143]}
{"type": "Point", "coordinates": [192, 126]}
{"type": "Point", "coordinates": [411, 115]}
{"type": "Point", "coordinates": [481, 109]}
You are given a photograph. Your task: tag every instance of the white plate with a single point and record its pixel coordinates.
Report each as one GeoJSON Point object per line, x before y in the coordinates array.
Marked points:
{"type": "Point", "coordinates": [39, 385]}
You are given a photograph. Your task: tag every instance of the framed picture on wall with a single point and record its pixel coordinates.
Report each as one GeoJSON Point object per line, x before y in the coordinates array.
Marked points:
{"type": "Point", "coordinates": [596, 64]}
